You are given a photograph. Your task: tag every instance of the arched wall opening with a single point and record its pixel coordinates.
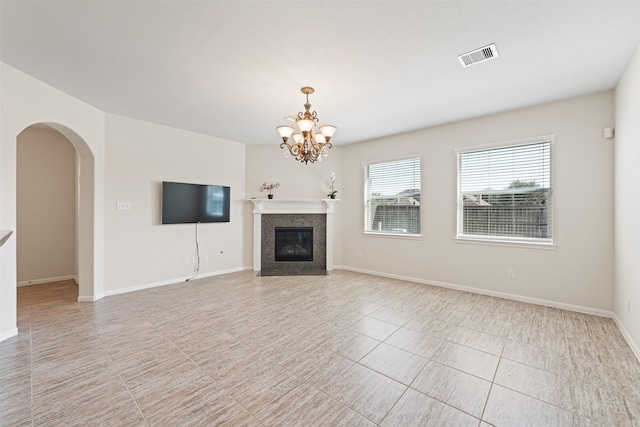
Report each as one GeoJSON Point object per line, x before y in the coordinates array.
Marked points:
{"type": "Point", "coordinates": [27, 101]}
{"type": "Point", "coordinates": [46, 207]}
{"type": "Point", "coordinates": [84, 210]}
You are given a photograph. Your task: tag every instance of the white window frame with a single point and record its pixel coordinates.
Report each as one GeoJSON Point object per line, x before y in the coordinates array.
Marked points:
{"type": "Point", "coordinates": [515, 241]}
{"type": "Point", "coordinates": [367, 220]}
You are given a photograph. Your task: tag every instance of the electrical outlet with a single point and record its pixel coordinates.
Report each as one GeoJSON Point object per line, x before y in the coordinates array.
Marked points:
{"type": "Point", "coordinates": [359, 254]}
{"type": "Point", "coordinates": [123, 206]}
{"type": "Point", "coordinates": [187, 260]}
{"type": "Point", "coordinates": [205, 258]}
{"type": "Point", "coordinates": [194, 259]}
{"type": "Point", "coordinates": [511, 273]}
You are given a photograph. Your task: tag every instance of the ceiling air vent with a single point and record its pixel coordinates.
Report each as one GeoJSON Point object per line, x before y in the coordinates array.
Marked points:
{"type": "Point", "coordinates": [478, 55]}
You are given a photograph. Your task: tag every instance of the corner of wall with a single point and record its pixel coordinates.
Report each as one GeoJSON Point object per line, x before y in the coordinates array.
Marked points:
{"type": "Point", "coordinates": [627, 204]}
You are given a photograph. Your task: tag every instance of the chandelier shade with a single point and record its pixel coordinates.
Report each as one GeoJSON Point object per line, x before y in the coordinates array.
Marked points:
{"type": "Point", "coordinates": [285, 131]}
{"type": "Point", "coordinates": [305, 125]}
{"type": "Point", "coordinates": [328, 130]}
{"type": "Point", "coordinates": [308, 145]}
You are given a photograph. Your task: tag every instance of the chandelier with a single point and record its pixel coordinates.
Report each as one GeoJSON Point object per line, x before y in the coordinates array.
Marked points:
{"type": "Point", "coordinates": [308, 145]}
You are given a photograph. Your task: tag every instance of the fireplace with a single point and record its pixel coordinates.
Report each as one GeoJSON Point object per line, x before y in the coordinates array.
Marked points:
{"type": "Point", "coordinates": [294, 244]}
{"type": "Point", "coordinates": [313, 215]}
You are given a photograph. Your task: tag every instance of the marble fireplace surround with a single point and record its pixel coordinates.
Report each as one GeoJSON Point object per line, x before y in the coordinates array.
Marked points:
{"type": "Point", "coordinates": [310, 208]}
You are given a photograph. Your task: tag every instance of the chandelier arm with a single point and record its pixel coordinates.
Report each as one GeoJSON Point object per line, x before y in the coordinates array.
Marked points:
{"type": "Point", "coordinates": [315, 149]}
{"type": "Point", "coordinates": [292, 149]}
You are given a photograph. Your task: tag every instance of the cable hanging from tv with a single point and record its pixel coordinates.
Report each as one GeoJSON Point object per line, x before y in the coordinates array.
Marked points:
{"type": "Point", "coordinates": [197, 266]}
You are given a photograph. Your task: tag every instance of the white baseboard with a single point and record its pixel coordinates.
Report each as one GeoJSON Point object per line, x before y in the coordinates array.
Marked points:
{"type": "Point", "coordinates": [580, 309]}
{"type": "Point", "coordinates": [505, 295]}
{"type": "Point", "coordinates": [10, 333]}
{"type": "Point", "coordinates": [47, 280]}
{"type": "Point", "coordinates": [627, 336]}
{"type": "Point", "coordinates": [170, 282]}
{"type": "Point", "coordinates": [89, 298]}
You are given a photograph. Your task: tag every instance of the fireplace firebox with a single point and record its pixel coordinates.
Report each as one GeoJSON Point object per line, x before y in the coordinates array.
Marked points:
{"type": "Point", "coordinates": [294, 243]}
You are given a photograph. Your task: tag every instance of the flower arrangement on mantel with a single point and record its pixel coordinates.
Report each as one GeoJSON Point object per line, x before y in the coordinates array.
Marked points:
{"type": "Point", "coordinates": [332, 190]}
{"type": "Point", "coordinates": [269, 187]}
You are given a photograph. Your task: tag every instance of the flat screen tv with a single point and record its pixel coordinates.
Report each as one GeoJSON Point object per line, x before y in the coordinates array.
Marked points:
{"type": "Point", "coordinates": [184, 203]}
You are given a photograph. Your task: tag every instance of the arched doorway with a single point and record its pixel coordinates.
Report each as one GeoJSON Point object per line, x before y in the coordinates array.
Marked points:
{"type": "Point", "coordinates": [86, 274]}
{"type": "Point", "coordinates": [46, 206]}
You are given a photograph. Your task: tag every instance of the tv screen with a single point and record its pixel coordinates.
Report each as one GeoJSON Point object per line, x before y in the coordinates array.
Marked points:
{"type": "Point", "coordinates": [184, 203]}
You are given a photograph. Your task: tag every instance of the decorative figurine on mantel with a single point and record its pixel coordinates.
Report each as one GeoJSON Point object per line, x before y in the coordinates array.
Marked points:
{"type": "Point", "coordinates": [332, 190]}
{"type": "Point", "coordinates": [269, 187]}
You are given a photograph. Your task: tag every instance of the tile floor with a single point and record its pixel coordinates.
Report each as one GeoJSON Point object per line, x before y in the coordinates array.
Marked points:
{"type": "Point", "coordinates": [346, 349]}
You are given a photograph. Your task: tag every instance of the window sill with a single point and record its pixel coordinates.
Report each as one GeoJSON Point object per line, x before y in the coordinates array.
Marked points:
{"type": "Point", "coordinates": [393, 235]}
{"type": "Point", "coordinates": [507, 243]}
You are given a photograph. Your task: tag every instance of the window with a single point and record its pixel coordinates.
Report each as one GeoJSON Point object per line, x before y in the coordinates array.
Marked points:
{"type": "Point", "coordinates": [392, 197]}
{"type": "Point", "coordinates": [504, 193]}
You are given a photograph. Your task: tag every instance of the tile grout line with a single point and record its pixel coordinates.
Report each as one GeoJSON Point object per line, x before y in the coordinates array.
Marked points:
{"type": "Point", "coordinates": [486, 402]}
{"type": "Point", "coordinates": [545, 340]}
{"type": "Point", "coordinates": [204, 372]}
{"type": "Point", "coordinates": [394, 404]}
{"type": "Point", "coordinates": [435, 398]}
{"type": "Point", "coordinates": [113, 363]}
{"type": "Point", "coordinates": [571, 379]}
{"type": "Point", "coordinates": [33, 418]}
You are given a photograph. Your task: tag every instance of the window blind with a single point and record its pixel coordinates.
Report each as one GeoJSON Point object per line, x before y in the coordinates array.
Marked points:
{"type": "Point", "coordinates": [505, 192]}
{"type": "Point", "coordinates": [392, 196]}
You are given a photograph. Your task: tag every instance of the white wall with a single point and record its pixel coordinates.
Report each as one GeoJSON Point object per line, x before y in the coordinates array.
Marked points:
{"type": "Point", "coordinates": [627, 202]}
{"type": "Point", "coordinates": [46, 203]}
{"type": "Point", "coordinates": [139, 251]}
{"type": "Point", "coordinates": [266, 163]}
{"type": "Point", "coordinates": [26, 101]}
{"type": "Point", "coordinates": [577, 273]}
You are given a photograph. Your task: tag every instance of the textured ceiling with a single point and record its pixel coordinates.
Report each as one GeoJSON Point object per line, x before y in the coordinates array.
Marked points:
{"type": "Point", "coordinates": [234, 69]}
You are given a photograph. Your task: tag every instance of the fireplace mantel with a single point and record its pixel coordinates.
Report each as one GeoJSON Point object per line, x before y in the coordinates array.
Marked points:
{"type": "Point", "coordinates": [281, 206]}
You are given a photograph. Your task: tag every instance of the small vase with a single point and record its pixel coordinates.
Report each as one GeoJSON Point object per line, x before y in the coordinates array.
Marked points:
{"type": "Point", "coordinates": [270, 196]}
{"type": "Point", "coordinates": [333, 196]}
